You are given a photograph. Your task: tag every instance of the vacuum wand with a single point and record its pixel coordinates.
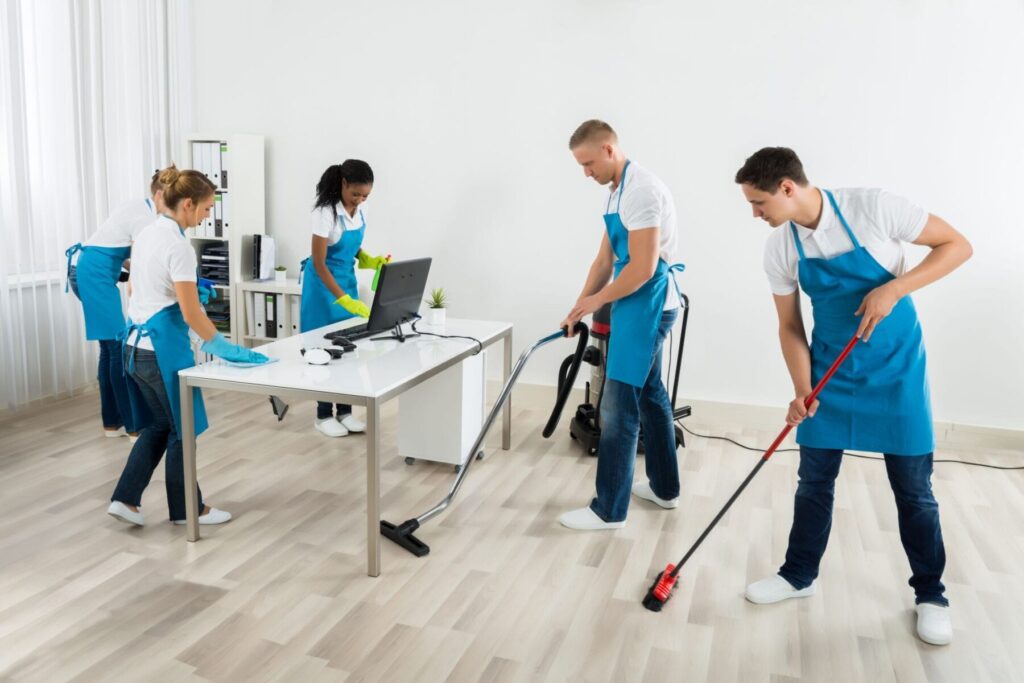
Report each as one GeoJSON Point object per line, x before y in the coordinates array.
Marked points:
{"type": "Point", "coordinates": [661, 590]}
{"type": "Point", "coordinates": [402, 534]}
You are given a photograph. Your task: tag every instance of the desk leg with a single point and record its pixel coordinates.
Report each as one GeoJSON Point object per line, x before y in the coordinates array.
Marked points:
{"type": "Point", "coordinates": [188, 451]}
{"type": "Point", "coordinates": [372, 488]}
{"type": "Point", "coordinates": [506, 414]}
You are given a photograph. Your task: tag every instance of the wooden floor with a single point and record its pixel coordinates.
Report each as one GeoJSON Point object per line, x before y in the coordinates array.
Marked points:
{"type": "Point", "coordinates": [280, 593]}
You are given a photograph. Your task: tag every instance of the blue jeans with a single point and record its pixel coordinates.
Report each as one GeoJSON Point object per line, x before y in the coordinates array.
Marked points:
{"type": "Point", "coordinates": [916, 507]}
{"type": "Point", "coordinates": [323, 410]}
{"type": "Point", "coordinates": [158, 437]}
{"type": "Point", "coordinates": [119, 395]}
{"type": "Point", "coordinates": [623, 409]}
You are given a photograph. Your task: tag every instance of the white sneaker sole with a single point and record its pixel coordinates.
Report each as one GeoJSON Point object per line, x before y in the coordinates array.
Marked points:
{"type": "Point", "coordinates": [652, 498]}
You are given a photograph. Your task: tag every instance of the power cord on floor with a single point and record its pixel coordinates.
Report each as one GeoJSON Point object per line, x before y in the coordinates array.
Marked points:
{"type": "Point", "coordinates": [850, 455]}
{"type": "Point", "coordinates": [479, 344]}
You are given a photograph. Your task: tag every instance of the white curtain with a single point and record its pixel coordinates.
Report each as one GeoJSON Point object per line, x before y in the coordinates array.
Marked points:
{"type": "Point", "coordinates": [94, 96]}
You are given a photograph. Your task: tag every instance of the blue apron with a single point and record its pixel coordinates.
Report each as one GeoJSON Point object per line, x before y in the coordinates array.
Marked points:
{"type": "Point", "coordinates": [96, 275]}
{"type": "Point", "coordinates": [878, 400]}
{"type": "Point", "coordinates": [635, 317]}
{"type": "Point", "coordinates": [318, 308]}
{"type": "Point", "coordinates": [169, 333]}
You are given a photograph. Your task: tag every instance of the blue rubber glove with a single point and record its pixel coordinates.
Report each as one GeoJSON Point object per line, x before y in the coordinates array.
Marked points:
{"type": "Point", "coordinates": [222, 348]}
{"type": "Point", "coordinates": [206, 290]}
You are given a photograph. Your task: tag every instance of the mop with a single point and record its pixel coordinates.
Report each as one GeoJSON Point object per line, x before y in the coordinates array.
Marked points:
{"type": "Point", "coordinates": [661, 590]}
{"type": "Point", "coordinates": [402, 534]}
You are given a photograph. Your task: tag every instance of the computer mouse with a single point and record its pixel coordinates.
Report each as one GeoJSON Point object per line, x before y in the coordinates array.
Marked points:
{"type": "Point", "coordinates": [317, 356]}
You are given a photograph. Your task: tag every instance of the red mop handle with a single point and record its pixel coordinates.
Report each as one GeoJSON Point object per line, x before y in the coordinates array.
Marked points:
{"type": "Point", "coordinates": [812, 397]}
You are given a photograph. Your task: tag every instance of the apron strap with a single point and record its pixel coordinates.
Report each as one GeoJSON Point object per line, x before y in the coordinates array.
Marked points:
{"type": "Point", "coordinates": [842, 219]}
{"type": "Point", "coordinates": [622, 185]}
{"type": "Point", "coordinates": [796, 240]}
{"type": "Point", "coordinates": [671, 273]}
{"type": "Point", "coordinates": [140, 332]}
{"type": "Point", "coordinates": [69, 252]}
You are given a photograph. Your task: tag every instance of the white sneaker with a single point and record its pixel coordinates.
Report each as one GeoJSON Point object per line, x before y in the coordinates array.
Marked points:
{"type": "Point", "coordinates": [642, 489]}
{"type": "Point", "coordinates": [214, 516]}
{"type": "Point", "coordinates": [330, 427]}
{"type": "Point", "coordinates": [123, 513]}
{"type": "Point", "coordinates": [586, 519]}
{"type": "Point", "coordinates": [352, 423]}
{"type": "Point", "coordinates": [113, 433]}
{"type": "Point", "coordinates": [775, 589]}
{"type": "Point", "coordinates": [933, 624]}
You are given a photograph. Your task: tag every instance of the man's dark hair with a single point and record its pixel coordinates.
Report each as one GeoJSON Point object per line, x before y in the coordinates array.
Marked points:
{"type": "Point", "coordinates": [769, 166]}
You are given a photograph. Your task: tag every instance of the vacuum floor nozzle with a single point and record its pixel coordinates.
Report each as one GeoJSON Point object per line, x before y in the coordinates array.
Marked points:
{"type": "Point", "coordinates": [403, 536]}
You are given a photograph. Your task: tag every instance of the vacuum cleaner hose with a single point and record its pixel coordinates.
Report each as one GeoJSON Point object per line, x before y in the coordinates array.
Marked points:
{"type": "Point", "coordinates": [567, 378]}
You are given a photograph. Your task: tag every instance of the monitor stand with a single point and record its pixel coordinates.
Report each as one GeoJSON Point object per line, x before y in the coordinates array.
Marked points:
{"type": "Point", "coordinates": [396, 333]}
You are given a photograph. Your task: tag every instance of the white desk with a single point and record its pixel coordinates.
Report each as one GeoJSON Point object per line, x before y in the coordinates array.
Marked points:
{"type": "Point", "coordinates": [370, 376]}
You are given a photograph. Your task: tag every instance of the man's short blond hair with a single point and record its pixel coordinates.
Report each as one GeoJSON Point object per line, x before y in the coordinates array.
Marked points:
{"type": "Point", "coordinates": [593, 130]}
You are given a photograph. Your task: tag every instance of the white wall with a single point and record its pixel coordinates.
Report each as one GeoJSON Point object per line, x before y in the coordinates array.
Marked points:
{"type": "Point", "coordinates": [464, 110]}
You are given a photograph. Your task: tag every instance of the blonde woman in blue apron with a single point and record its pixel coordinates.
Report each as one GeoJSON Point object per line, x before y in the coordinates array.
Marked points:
{"type": "Point", "coordinates": [844, 249]}
{"type": "Point", "coordinates": [638, 243]}
{"type": "Point", "coordinates": [102, 263]}
{"type": "Point", "coordinates": [163, 306]}
{"type": "Point", "coordinates": [330, 292]}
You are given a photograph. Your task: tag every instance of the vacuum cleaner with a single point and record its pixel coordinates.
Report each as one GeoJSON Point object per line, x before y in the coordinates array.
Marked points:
{"type": "Point", "coordinates": [661, 590]}
{"type": "Point", "coordinates": [585, 426]}
{"type": "Point", "coordinates": [403, 534]}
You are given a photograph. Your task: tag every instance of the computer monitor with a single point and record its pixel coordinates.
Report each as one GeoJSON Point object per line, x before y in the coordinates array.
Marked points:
{"type": "Point", "coordinates": [399, 293]}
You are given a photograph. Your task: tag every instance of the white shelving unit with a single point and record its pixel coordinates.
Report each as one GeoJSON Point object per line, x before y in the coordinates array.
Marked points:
{"type": "Point", "coordinates": [290, 290]}
{"type": "Point", "coordinates": [245, 167]}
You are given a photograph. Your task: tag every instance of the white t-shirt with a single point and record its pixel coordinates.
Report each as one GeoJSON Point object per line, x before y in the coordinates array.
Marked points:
{"type": "Point", "coordinates": [124, 224]}
{"type": "Point", "coordinates": [161, 256]}
{"type": "Point", "coordinates": [324, 223]}
{"type": "Point", "coordinates": [881, 221]}
{"type": "Point", "coordinates": [647, 203]}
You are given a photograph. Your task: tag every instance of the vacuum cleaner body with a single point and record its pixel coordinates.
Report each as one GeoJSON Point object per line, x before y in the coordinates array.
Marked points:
{"type": "Point", "coordinates": [585, 426]}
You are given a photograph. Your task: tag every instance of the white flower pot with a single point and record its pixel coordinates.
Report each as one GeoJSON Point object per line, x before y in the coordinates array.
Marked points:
{"type": "Point", "coordinates": [281, 275]}
{"type": "Point", "coordinates": [435, 316]}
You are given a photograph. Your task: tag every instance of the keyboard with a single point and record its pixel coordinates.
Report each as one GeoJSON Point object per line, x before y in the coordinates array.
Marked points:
{"type": "Point", "coordinates": [357, 332]}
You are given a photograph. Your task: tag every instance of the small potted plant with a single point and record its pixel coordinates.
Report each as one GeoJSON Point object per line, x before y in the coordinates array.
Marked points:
{"type": "Point", "coordinates": [280, 274]}
{"type": "Point", "coordinates": [436, 305]}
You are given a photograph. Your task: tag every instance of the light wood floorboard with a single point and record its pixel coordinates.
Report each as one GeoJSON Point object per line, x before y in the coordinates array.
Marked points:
{"type": "Point", "coordinates": [280, 593]}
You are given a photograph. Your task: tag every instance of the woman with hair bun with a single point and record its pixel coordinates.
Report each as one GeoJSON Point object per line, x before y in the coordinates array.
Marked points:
{"type": "Point", "coordinates": [164, 304]}
{"type": "Point", "coordinates": [102, 263]}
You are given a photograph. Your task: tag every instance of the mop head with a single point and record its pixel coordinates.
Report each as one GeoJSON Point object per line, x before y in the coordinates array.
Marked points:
{"type": "Point", "coordinates": [403, 536]}
{"type": "Point", "coordinates": [661, 590]}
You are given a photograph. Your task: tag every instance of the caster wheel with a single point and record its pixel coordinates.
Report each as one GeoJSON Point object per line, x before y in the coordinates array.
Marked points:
{"type": "Point", "coordinates": [680, 438]}
{"type": "Point", "coordinates": [458, 468]}
{"type": "Point", "coordinates": [591, 451]}
{"type": "Point", "coordinates": [480, 455]}
{"type": "Point", "coordinates": [410, 461]}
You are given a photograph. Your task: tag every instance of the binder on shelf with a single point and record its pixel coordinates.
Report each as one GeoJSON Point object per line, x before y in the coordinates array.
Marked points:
{"type": "Point", "coordinates": [260, 314]}
{"type": "Point", "coordinates": [223, 165]}
{"type": "Point", "coordinates": [218, 215]}
{"type": "Point", "coordinates": [282, 319]}
{"type": "Point", "coordinates": [294, 301]}
{"type": "Point", "coordinates": [225, 202]}
{"type": "Point", "coordinates": [197, 157]}
{"type": "Point", "coordinates": [250, 314]}
{"type": "Point", "coordinates": [213, 153]}
{"type": "Point", "coordinates": [270, 303]}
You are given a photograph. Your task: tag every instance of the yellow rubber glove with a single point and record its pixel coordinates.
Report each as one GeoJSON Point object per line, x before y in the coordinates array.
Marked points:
{"type": "Point", "coordinates": [367, 262]}
{"type": "Point", "coordinates": [353, 306]}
